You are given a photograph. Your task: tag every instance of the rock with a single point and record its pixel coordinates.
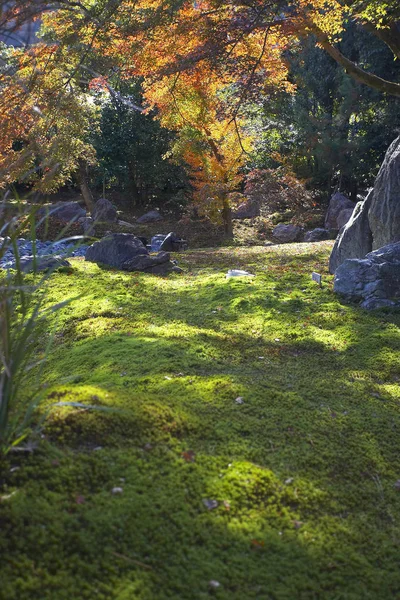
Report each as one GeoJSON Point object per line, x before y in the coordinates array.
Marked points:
{"type": "Point", "coordinates": [375, 221]}
{"type": "Point", "coordinates": [156, 241]}
{"type": "Point", "coordinates": [125, 251]}
{"type": "Point", "coordinates": [373, 280]}
{"type": "Point", "coordinates": [317, 235]}
{"type": "Point", "coordinates": [210, 504]}
{"type": "Point", "coordinates": [344, 217]}
{"type": "Point", "coordinates": [214, 584]}
{"type": "Point", "coordinates": [145, 262]}
{"type": "Point", "coordinates": [88, 226]}
{"type": "Point", "coordinates": [173, 243]}
{"type": "Point", "coordinates": [337, 204]}
{"type": "Point", "coordinates": [104, 212]}
{"type": "Point", "coordinates": [64, 212]}
{"type": "Point", "coordinates": [42, 263]}
{"type": "Point", "coordinates": [170, 242]}
{"type": "Point", "coordinates": [355, 239]}
{"type": "Point", "coordinates": [384, 210]}
{"type": "Point", "coordinates": [247, 210]}
{"type": "Point", "coordinates": [150, 217]}
{"type": "Point", "coordinates": [143, 240]}
{"type": "Point", "coordinates": [115, 249]}
{"type": "Point", "coordinates": [287, 233]}
{"type": "Point", "coordinates": [125, 224]}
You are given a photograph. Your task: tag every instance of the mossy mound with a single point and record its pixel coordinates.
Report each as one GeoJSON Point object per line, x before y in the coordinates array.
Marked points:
{"type": "Point", "coordinates": [288, 493]}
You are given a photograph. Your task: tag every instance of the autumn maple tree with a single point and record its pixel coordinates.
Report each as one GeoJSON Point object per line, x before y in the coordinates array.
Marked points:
{"type": "Point", "coordinates": [200, 62]}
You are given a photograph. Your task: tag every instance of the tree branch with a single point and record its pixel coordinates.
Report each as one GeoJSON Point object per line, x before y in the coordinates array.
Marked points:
{"type": "Point", "coordinates": [357, 73]}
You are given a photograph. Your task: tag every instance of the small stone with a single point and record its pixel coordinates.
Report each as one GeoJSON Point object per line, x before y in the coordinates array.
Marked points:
{"type": "Point", "coordinates": [239, 400]}
{"type": "Point", "coordinates": [213, 584]}
{"type": "Point", "coordinates": [210, 504]}
{"type": "Point", "coordinates": [117, 490]}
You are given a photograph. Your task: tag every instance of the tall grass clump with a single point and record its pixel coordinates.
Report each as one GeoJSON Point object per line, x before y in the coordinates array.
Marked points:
{"type": "Point", "coordinates": [22, 320]}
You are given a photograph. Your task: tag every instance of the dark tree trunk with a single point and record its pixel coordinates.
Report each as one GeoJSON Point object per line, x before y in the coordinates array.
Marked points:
{"type": "Point", "coordinates": [83, 184]}
{"type": "Point", "coordinates": [227, 218]}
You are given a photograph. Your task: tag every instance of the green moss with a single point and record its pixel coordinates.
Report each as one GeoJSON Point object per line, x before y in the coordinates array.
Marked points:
{"type": "Point", "coordinates": [303, 470]}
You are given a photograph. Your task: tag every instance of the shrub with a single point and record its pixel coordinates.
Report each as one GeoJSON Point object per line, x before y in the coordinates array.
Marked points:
{"type": "Point", "coordinates": [277, 190]}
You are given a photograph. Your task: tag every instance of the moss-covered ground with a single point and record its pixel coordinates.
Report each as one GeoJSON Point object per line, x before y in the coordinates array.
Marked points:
{"type": "Point", "coordinates": [255, 446]}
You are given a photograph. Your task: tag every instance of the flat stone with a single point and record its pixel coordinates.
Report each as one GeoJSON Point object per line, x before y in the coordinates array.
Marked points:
{"type": "Point", "coordinates": [43, 263]}
{"type": "Point", "coordinates": [150, 217]}
{"type": "Point", "coordinates": [285, 234]}
{"type": "Point", "coordinates": [317, 235]}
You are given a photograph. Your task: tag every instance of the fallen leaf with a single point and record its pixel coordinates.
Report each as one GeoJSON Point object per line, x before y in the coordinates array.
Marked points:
{"type": "Point", "coordinates": [257, 543]}
{"type": "Point", "coordinates": [189, 456]}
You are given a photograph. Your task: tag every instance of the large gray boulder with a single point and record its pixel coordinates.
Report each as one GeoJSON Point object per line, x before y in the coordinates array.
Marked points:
{"type": "Point", "coordinates": [125, 251]}
{"type": "Point", "coordinates": [337, 204]}
{"type": "Point", "coordinates": [355, 239]}
{"type": "Point", "coordinates": [285, 234]}
{"type": "Point", "coordinates": [104, 212]}
{"type": "Point", "coordinates": [384, 212]}
{"type": "Point", "coordinates": [153, 216]}
{"type": "Point", "coordinates": [373, 280]}
{"type": "Point", "coordinates": [64, 212]}
{"type": "Point", "coordinates": [344, 217]}
{"type": "Point", "coordinates": [375, 221]}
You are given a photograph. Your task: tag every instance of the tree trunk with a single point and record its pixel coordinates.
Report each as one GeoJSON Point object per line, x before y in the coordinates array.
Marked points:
{"type": "Point", "coordinates": [227, 218]}
{"type": "Point", "coordinates": [83, 184]}
{"type": "Point", "coordinates": [133, 184]}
